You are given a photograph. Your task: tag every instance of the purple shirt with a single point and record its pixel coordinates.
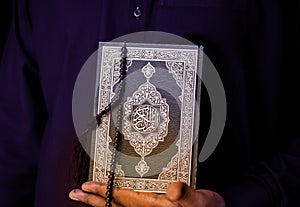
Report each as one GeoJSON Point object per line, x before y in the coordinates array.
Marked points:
{"type": "Point", "coordinates": [255, 163]}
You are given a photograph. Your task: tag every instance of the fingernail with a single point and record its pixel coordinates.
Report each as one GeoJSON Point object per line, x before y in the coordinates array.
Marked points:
{"type": "Point", "coordinates": [86, 187]}
{"type": "Point", "coordinates": [74, 194]}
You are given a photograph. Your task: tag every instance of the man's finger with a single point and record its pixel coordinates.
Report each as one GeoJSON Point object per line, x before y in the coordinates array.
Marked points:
{"type": "Point", "coordinates": [129, 198]}
{"type": "Point", "coordinates": [180, 192]}
{"type": "Point", "coordinates": [88, 198]}
{"type": "Point", "coordinates": [95, 187]}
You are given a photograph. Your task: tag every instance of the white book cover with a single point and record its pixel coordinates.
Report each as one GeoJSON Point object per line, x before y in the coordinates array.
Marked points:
{"type": "Point", "coordinates": [156, 111]}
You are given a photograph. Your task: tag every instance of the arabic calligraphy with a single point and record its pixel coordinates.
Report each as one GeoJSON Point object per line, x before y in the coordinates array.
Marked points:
{"type": "Point", "coordinates": [145, 118]}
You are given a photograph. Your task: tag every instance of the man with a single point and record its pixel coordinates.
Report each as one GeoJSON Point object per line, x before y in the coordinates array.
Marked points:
{"type": "Point", "coordinates": [257, 161]}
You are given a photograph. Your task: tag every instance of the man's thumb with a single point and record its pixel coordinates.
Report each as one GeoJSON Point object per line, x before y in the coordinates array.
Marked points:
{"type": "Point", "coordinates": [178, 191]}
{"type": "Point", "coordinates": [181, 194]}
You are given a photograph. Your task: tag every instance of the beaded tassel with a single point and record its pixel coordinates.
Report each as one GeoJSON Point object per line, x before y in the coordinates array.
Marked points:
{"type": "Point", "coordinates": [117, 136]}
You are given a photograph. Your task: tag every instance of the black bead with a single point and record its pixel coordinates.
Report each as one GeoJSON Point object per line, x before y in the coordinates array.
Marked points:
{"type": "Point", "coordinates": [109, 183]}
{"type": "Point", "coordinates": [116, 139]}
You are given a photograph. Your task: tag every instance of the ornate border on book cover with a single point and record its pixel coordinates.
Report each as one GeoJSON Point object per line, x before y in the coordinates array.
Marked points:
{"type": "Point", "coordinates": [182, 64]}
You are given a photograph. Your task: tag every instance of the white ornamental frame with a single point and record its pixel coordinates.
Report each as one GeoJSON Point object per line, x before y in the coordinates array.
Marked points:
{"type": "Point", "coordinates": [183, 63]}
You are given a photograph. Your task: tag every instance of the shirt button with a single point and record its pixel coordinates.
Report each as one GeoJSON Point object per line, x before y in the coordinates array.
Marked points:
{"type": "Point", "coordinates": [137, 12]}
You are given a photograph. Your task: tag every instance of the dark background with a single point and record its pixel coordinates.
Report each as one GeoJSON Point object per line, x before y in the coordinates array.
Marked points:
{"type": "Point", "coordinates": [290, 22]}
{"type": "Point", "coordinates": [291, 32]}
{"type": "Point", "coordinates": [5, 19]}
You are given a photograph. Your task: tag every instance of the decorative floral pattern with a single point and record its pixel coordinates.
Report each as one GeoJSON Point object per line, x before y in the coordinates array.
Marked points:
{"type": "Point", "coordinates": [146, 118]}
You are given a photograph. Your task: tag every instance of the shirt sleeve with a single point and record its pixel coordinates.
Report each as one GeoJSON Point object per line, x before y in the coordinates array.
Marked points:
{"type": "Point", "coordinates": [274, 182]}
{"type": "Point", "coordinates": [22, 113]}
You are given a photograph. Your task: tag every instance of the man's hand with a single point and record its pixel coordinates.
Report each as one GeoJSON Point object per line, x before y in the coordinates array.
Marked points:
{"type": "Point", "coordinates": [178, 195]}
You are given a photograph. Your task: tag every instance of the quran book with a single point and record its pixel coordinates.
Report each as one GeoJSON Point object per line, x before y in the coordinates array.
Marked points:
{"type": "Point", "coordinates": [156, 110]}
